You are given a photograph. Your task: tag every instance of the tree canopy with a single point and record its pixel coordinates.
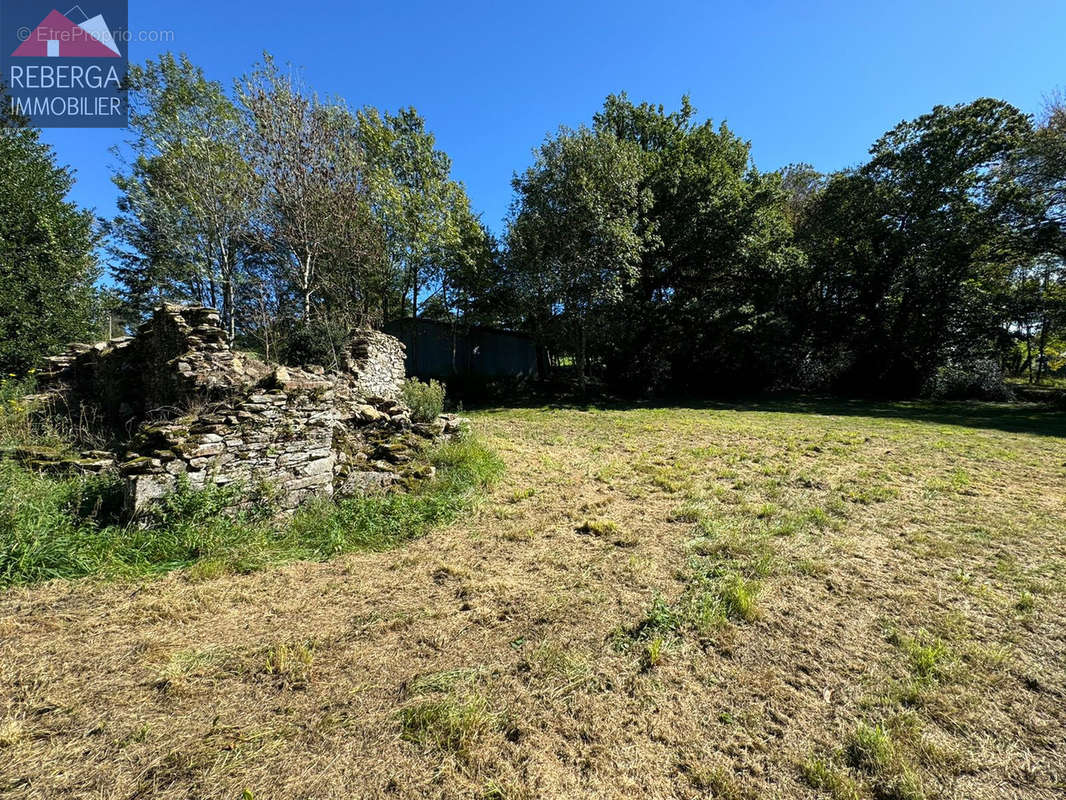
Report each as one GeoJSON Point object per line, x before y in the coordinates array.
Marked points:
{"type": "Point", "coordinates": [47, 261]}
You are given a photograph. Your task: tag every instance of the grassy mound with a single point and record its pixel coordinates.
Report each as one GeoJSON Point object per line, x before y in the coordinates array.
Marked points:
{"type": "Point", "coordinates": [69, 527]}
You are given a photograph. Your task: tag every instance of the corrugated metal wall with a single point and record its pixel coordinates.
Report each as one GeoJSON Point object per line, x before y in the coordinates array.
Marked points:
{"type": "Point", "coordinates": [441, 351]}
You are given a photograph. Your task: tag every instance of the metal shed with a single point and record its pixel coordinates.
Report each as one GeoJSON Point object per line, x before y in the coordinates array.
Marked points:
{"type": "Point", "coordinates": [443, 350]}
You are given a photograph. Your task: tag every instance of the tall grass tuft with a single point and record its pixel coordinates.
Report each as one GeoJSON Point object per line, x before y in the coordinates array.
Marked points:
{"type": "Point", "coordinates": [376, 522]}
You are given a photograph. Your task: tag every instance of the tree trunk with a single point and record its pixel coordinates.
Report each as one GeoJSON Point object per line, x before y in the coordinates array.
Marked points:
{"type": "Point", "coordinates": [581, 351]}
{"type": "Point", "coordinates": [307, 268]}
{"type": "Point", "coordinates": [227, 308]}
{"type": "Point", "coordinates": [1041, 347]}
{"type": "Point", "coordinates": [414, 297]}
{"type": "Point", "coordinates": [455, 323]}
{"type": "Point", "coordinates": [414, 323]}
{"type": "Point", "coordinates": [1029, 352]}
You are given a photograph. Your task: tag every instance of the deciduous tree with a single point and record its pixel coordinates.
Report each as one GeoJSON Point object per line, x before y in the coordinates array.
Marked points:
{"type": "Point", "coordinates": [576, 229]}
{"type": "Point", "coordinates": [47, 260]}
{"type": "Point", "coordinates": [189, 198]}
{"type": "Point", "coordinates": [316, 212]}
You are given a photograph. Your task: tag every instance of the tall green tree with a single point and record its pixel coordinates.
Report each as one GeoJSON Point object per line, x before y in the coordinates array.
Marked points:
{"type": "Point", "coordinates": [576, 229]}
{"type": "Point", "coordinates": [802, 184]}
{"type": "Point", "coordinates": [1038, 295]}
{"type": "Point", "coordinates": [47, 260]}
{"type": "Point", "coordinates": [719, 254]}
{"type": "Point", "coordinates": [703, 311]}
{"type": "Point", "coordinates": [432, 239]}
{"type": "Point", "coordinates": [189, 197]}
{"type": "Point", "coordinates": [658, 228]}
{"type": "Point", "coordinates": [912, 251]}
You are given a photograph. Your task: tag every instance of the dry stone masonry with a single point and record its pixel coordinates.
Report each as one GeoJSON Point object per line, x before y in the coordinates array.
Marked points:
{"type": "Point", "coordinates": [196, 410]}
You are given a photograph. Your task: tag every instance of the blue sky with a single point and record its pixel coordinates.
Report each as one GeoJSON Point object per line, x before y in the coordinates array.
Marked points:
{"type": "Point", "coordinates": [812, 81]}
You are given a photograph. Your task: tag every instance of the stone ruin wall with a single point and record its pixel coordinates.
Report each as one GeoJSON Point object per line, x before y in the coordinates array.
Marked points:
{"type": "Point", "coordinates": [375, 363]}
{"type": "Point", "coordinates": [198, 411]}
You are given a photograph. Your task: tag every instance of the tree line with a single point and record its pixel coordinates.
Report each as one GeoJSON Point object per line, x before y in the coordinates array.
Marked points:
{"type": "Point", "coordinates": [644, 249]}
{"type": "Point", "coordinates": [650, 246]}
{"type": "Point", "coordinates": [298, 218]}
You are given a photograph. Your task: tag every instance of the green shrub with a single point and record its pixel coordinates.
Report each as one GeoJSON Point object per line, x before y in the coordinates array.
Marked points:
{"type": "Point", "coordinates": [426, 400]}
{"type": "Point", "coordinates": [15, 419]}
{"type": "Point", "coordinates": [982, 380]}
{"type": "Point", "coordinates": [316, 342]}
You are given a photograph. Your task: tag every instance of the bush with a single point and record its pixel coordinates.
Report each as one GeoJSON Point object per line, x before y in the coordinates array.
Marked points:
{"type": "Point", "coordinates": [983, 380]}
{"type": "Point", "coordinates": [15, 420]}
{"type": "Point", "coordinates": [426, 400]}
{"type": "Point", "coordinates": [300, 343]}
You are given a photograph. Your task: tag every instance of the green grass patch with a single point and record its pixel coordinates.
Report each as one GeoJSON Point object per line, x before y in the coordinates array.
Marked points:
{"type": "Point", "coordinates": [927, 656]}
{"type": "Point", "coordinates": [598, 527]}
{"type": "Point", "coordinates": [871, 763]}
{"type": "Point", "coordinates": [452, 723]}
{"type": "Point", "coordinates": [709, 601]}
{"type": "Point", "coordinates": [872, 751]}
{"type": "Point", "coordinates": [290, 663]}
{"type": "Point", "coordinates": [830, 777]}
{"type": "Point", "coordinates": [69, 527]}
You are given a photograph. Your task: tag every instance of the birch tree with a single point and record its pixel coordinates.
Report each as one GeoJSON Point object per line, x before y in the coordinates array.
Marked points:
{"type": "Point", "coordinates": [315, 210]}
{"type": "Point", "coordinates": [425, 215]}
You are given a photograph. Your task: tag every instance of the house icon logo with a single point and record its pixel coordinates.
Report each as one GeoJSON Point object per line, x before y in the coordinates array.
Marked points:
{"type": "Point", "coordinates": [57, 36]}
{"type": "Point", "coordinates": [64, 69]}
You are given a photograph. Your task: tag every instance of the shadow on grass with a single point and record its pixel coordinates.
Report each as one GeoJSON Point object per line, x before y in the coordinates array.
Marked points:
{"type": "Point", "coordinates": [1031, 418]}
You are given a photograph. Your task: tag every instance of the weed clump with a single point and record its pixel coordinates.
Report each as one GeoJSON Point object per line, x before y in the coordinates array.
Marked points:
{"type": "Point", "coordinates": [737, 597]}
{"type": "Point", "coordinates": [871, 760]}
{"type": "Point", "coordinates": [825, 774]}
{"type": "Point", "coordinates": [290, 663]}
{"type": "Point", "coordinates": [872, 751]}
{"type": "Point", "coordinates": [450, 724]}
{"type": "Point", "coordinates": [598, 527]}
{"type": "Point", "coordinates": [426, 400]}
{"type": "Point", "coordinates": [454, 719]}
{"type": "Point", "coordinates": [708, 602]}
{"type": "Point", "coordinates": [870, 748]}
{"type": "Point", "coordinates": [927, 656]}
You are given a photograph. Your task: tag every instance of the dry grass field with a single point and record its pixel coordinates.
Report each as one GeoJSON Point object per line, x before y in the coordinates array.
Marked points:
{"type": "Point", "coordinates": [779, 600]}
